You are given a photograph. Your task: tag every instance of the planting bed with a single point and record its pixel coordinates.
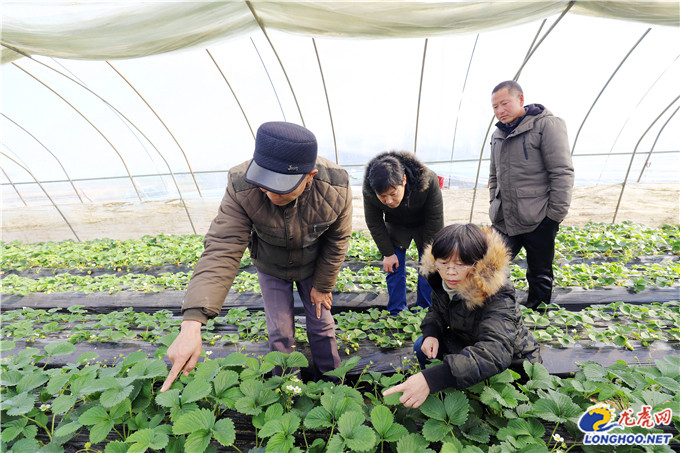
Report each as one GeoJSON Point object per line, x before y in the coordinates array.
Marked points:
{"type": "Point", "coordinates": [85, 328]}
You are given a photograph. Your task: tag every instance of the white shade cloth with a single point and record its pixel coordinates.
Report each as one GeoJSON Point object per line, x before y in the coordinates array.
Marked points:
{"type": "Point", "coordinates": [128, 29]}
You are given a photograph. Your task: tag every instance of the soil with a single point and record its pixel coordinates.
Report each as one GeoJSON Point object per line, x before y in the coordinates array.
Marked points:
{"type": "Point", "coordinates": [647, 204]}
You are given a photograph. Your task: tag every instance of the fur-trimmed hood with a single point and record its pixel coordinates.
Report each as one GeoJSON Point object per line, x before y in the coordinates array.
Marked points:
{"type": "Point", "coordinates": [416, 171]}
{"type": "Point", "coordinates": [487, 277]}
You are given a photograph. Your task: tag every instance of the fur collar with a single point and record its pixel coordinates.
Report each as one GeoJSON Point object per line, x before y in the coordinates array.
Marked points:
{"type": "Point", "coordinates": [416, 179]}
{"type": "Point", "coordinates": [488, 276]}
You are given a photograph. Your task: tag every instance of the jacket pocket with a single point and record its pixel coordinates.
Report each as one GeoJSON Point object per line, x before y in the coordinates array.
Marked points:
{"type": "Point", "coordinates": [314, 232]}
{"type": "Point", "coordinates": [532, 204]}
{"type": "Point", "coordinates": [275, 237]}
{"type": "Point", "coordinates": [495, 211]}
{"type": "Point", "coordinates": [252, 245]}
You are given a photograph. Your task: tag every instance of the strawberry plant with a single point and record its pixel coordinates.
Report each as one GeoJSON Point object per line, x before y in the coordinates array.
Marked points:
{"type": "Point", "coordinates": [617, 324]}
{"type": "Point", "coordinates": [594, 239]}
{"type": "Point", "coordinates": [117, 407]}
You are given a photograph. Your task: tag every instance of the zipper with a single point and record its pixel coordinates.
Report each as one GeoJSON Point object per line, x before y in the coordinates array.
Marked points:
{"type": "Point", "coordinates": [524, 145]}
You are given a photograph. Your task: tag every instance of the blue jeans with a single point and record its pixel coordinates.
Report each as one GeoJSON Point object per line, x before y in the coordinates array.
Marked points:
{"type": "Point", "coordinates": [396, 286]}
{"type": "Point", "coordinates": [420, 355]}
{"type": "Point", "coordinates": [423, 360]}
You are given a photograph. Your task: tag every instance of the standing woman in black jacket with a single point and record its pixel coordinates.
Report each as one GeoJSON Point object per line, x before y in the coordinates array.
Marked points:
{"type": "Point", "coordinates": [475, 325]}
{"type": "Point", "coordinates": [402, 202]}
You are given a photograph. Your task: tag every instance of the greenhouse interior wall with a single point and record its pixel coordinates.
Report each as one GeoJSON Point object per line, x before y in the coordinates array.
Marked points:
{"type": "Point", "coordinates": [119, 124]}
{"type": "Point", "coordinates": [97, 136]}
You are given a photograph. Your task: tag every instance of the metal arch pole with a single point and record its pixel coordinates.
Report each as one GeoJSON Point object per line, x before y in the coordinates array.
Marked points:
{"type": "Point", "coordinates": [640, 102]}
{"type": "Point", "coordinates": [232, 92]}
{"type": "Point", "coordinates": [328, 102]}
{"type": "Point", "coordinates": [266, 71]}
{"type": "Point", "coordinates": [264, 30]}
{"type": "Point", "coordinates": [460, 103]}
{"type": "Point", "coordinates": [51, 153]}
{"type": "Point", "coordinates": [179, 192]}
{"type": "Point", "coordinates": [488, 129]}
{"type": "Point", "coordinates": [656, 140]}
{"type": "Point", "coordinates": [533, 48]}
{"type": "Point", "coordinates": [573, 147]}
{"type": "Point", "coordinates": [75, 78]}
{"type": "Point", "coordinates": [91, 124]}
{"type": "Point", "coordinates": [420, 93]}
{"type": "Point", "coordinates": [479, 168]}
{"type": "Point", "coordinates": [46, 194]}
{"type": "Point", "coordinates": [13, 186]}
{"type": "Point", "coordinates": [632, 157]}
{"type": "Point", "coordinates": [623, 127]}
{"type": "Point", "coordinates": [186, 159]}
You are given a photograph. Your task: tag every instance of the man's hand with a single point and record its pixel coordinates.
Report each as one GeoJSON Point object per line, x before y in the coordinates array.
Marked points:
{"type": "Point", "coordinates": [184, 351]}
{"type": "Point", "coordinates": [415, 391]}
{"type": "Point", "coordinates": [430, 347]}
{"type": "Point", "coordinates": [319, 299]}
{"type": "Point", "coordinates": [390, 263]}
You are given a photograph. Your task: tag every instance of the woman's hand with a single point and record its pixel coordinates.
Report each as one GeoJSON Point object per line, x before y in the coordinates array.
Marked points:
{"type": "Point", "coordinates": [390, 263]}
{"type": "Point", "coordinates": [415, 391]}
{"type": "Point", "coordinates": [430, 347]}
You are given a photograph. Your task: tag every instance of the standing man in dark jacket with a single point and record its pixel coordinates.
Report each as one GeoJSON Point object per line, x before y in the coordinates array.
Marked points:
{"type": "Point", "coordinates": [402, 202]}
{"type": "Point", "coordinates": [530, 183]}
{"type": "Point", "coordinates": [294, 210]}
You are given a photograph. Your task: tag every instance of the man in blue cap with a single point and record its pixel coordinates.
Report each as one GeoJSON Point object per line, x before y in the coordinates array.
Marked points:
{"type": "Point", "coordinates": [294, 211]}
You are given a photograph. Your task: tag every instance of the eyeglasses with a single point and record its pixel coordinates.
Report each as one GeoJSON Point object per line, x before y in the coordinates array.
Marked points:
{"type": "Point", "coordinates": [453, 267]}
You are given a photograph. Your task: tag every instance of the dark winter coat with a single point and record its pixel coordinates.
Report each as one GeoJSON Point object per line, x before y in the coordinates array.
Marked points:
{"type": "Point", "coordinates": [531, 173]}
{"type": "Point", "coordinates": [309, 236]}
{"type": "Point", "coordinates": [481, 327]}
{"type": "Point", "coordinates": [419, 216]}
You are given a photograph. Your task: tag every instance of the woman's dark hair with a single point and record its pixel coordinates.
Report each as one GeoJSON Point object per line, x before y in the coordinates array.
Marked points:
{"type": "Point", "coordinates": [468, 241]}
{"type": "Point", "coordinates": [385, 172]}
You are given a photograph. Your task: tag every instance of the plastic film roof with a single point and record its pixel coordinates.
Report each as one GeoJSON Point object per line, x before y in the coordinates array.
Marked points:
{"type": "Point", "coordinates": [108, 30]}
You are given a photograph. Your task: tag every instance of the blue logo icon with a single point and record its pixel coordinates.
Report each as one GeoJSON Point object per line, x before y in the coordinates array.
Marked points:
{"type": "Point", "coordinates": [598, 418]}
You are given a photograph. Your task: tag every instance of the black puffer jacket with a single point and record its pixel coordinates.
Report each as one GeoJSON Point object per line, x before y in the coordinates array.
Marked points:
{"type": "Point", "coordinates": [481, 326]}
{"type": "Point", "coordinates": [420, 214]}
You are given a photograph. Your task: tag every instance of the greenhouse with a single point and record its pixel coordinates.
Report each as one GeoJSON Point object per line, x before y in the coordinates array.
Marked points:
{"type": "Point", "coordinates": [120, 123]}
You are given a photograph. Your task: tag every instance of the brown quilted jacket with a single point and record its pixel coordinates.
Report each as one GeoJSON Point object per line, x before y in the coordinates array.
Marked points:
{"type": "Point", "coordinates": [308, 237]}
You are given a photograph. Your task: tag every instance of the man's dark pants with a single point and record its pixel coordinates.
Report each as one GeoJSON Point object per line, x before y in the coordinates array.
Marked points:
{"type": "Point", "coordinates": [540, 247]}
{"type": "Point", "coordinates": [277, 295]}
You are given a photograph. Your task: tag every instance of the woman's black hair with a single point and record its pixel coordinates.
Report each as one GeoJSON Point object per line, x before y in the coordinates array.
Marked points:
{"type": "Point", "coordinates": [385, 172]}
{"type": "Point", "coordinates": [468, 241]}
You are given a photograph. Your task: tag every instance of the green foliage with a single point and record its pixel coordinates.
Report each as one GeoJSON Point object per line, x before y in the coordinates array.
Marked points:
{"type": "Point", "coordinates": [119, 409]}
{"type": "Point", "coordinates": [123, 262]}
{"type": "Point", "coordinates": [625, 239]}
{"type": "Point", "coordinates": [112, 283]}
{"type": "Point", "coordinates": [147, 252]}
{"type": "Point", "coordinates": [618, 324]}
{"type": "Point", "coordinates": [616, 240]}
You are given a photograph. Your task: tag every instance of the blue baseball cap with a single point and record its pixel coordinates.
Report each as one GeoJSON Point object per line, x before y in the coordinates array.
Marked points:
{"type": "Point", "coordinates": [284, 154]}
